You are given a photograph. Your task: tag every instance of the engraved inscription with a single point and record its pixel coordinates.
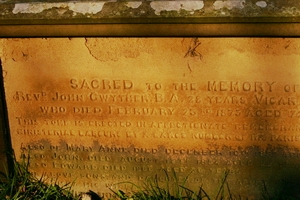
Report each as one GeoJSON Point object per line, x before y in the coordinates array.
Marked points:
{"type": "Point", "coordinates": [157, 114]}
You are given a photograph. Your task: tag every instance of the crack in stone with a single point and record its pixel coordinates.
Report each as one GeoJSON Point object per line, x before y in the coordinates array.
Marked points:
{"type": "Point", "coordinates": [90, 52]}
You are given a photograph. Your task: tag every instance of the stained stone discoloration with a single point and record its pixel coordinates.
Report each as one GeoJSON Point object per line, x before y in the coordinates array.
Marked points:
{"type": "Point", "coordinates": [159, 6]}
{"type": "Point", "coordinates": [147, 9]}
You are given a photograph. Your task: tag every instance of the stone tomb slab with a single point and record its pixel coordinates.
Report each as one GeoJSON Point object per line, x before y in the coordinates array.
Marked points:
{"type": "Point", "coordinates": [100, 111]}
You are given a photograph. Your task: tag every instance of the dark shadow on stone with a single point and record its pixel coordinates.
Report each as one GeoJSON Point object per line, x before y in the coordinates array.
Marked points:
{"type": "Point", "coordinates": [6, 160]}
{"type": "Point", "coordinates": [278, 164]}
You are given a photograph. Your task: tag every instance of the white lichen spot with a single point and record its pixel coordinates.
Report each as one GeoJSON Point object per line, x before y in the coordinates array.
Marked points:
{"type": "Point", "coordinates": [29, 8]}
{"type": "Point", "coordinates": [133, 4]}
{"type": "Point", "coordinates": [159, 6]}
{"type": "Point", "coordinates": [79, 7]}
{"type": "Point", "coordinates": [86, 197]}
{"type": "Point", "coordinates": [261, 4]}
{"type": "Point", "coordinates": [86, 7]}
{"type": "Point", "coordinates": [229, 4]}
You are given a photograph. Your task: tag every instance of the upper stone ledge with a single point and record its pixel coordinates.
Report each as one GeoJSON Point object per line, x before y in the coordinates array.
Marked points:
{"type": "Point", "coordinates": [13, 11]}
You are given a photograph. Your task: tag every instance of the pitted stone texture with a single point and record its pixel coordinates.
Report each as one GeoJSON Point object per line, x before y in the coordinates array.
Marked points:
{"type": "Point", "coordinates": [147, 9]}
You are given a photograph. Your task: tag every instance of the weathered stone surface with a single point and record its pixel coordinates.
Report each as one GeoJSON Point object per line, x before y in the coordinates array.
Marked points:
{"type": "Point", "coordinates": [106, 110]}
{"type": "Point", "coordinates": [149, 18]}
{"type": "Point", "coordinates": [143, 11]}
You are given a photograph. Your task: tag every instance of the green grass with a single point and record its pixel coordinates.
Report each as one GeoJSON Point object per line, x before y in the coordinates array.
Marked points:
{"type": "Point", "coordinates": [22, 185]}
{"type": "Point", "coordinates": [176, 190]}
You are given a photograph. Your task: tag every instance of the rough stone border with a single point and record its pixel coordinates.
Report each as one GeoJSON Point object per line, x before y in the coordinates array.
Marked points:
{"type": "Point", "coordinates": [63, 18]}
{"type": "Point", "coordinates": [153, 30]}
